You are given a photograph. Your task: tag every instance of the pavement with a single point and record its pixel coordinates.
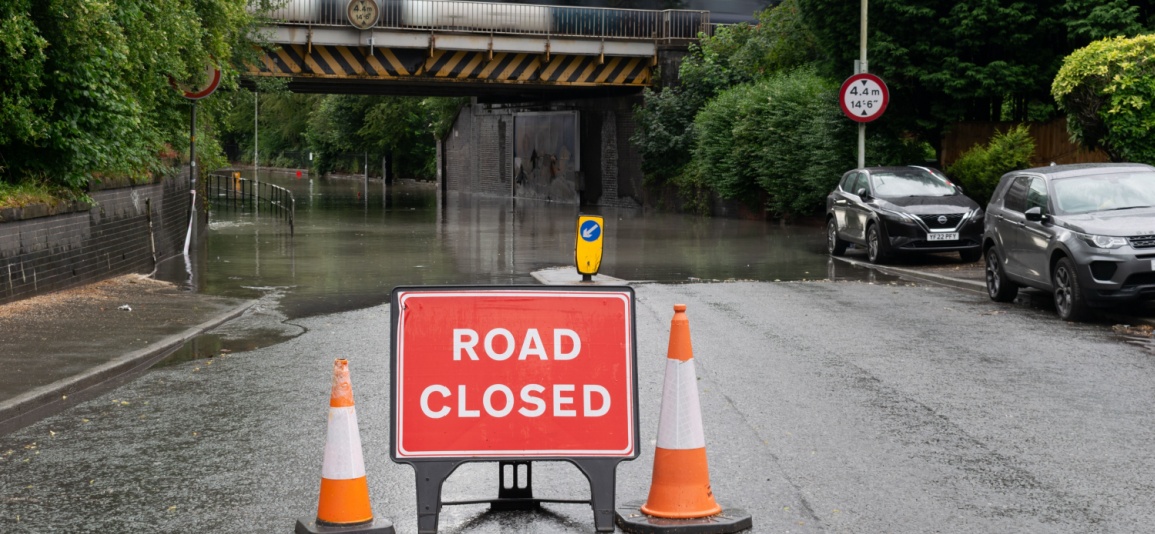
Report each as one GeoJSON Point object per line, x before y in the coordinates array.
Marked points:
{"type": "Point", "coordinates": [64, 348]}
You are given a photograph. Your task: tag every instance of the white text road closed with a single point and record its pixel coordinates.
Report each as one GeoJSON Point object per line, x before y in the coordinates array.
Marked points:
{"type": "Point", "coordinates": [513, 373]}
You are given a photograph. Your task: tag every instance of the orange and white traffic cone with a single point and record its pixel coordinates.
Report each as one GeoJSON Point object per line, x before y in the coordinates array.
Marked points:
{"type": "Point", "coordinates": [344, 502]}
{"type": "Point", "coordinates": [681, 499]}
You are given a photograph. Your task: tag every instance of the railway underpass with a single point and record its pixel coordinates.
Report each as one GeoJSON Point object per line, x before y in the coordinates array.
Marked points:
{"type": "Point", "coordinates": [552, 88]}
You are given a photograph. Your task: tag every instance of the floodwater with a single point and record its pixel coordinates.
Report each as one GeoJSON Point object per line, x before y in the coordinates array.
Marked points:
{"type": "Point", "coordinates": [353, 241]}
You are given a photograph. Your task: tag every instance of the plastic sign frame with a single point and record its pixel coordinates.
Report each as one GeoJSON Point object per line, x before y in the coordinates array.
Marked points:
{"type": "Point", "coordinates": [513, 374]}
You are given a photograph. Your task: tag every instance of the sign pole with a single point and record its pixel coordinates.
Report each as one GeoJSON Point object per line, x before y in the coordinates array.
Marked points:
{"type": "Point", "coordinates": [212, 81]}
{"type": "Point", "coordinates": [861, 70]}
{"type": "Point", "coordinates": [192, 174]}
{"type": "Point", "coordinates": [256, 152]}
{"type": "Point", "coordinates": [863, 96]}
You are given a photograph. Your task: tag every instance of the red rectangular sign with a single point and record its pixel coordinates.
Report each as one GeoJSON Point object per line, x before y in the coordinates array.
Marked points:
{"type": "Point", "coordinates": [513, 372]}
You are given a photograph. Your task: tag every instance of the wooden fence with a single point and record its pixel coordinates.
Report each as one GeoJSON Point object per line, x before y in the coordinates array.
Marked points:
{"type": "Point", "coordinates": [1052, 142]}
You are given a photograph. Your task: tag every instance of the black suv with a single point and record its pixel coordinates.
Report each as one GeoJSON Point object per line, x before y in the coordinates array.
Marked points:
{"type": "Point", "coordinates": [902, 209]}
{"type": "Point", "coordinates": [1085, 233]}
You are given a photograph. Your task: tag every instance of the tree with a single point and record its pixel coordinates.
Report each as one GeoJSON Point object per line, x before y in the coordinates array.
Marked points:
{"type": "Point", "coordinates": [1107, 90]}
{"type": "Point", "coordinates": [734, 55]}
{"type": "Point", "coordinates": [1091, 20]}
{"type": "Point", "coordinates": [403, 127]}
{"type": "Point", "coordinates": [85, 91]}
{"type": "Point", "coordinates": [946, 62]}
{"type": "Point", "coordinates": [283, 118]}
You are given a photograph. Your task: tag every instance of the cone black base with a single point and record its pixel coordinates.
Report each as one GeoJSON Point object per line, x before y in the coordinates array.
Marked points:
{"type": "Point", "coordinates": [631, 519]}
{"type": "Point", "coordinates": [376, 526]}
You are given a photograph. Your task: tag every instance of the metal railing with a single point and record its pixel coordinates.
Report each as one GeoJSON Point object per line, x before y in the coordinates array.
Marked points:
{"type": "Point", "coordinates": [232, 191]}
{"type": "Point", "coordinates": [505, 18]}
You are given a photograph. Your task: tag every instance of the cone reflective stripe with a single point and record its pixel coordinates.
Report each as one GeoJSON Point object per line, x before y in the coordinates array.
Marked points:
{"type": "Point", "coordinates": [680, 424]}
{"type": "Point", "coordinates": [344, 489]}
{"type": "Point", "coordinates": [680, 487]}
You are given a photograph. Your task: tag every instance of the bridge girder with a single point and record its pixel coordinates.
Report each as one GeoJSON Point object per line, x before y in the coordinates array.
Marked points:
{"type": "Point", "coordinates": [435, 72]}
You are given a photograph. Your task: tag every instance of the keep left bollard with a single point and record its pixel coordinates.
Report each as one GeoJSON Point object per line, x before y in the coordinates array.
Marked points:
{"type": "Point", "coordinates": [343, 506]}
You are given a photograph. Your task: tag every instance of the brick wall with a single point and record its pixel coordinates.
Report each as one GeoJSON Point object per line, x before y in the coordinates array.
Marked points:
{"type": "Point", "coordinates": [491, 176]}
{"type": "Point", "coordinates": [613, 167]}
{"type": "Point", "coordinates": [49, 253]}
{"type": "Point", "coordinates": [459, 153]}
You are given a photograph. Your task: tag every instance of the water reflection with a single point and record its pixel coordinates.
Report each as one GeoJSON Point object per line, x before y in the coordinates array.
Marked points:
{"type": "Point", "coordinates": [356, 239]}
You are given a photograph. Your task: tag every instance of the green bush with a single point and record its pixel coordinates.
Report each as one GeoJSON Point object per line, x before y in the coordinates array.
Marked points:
{"type": "Point", "coordinates": [784, 137]}
{"type": "Point", "coordinates": [1107, 90]}
{"type": "Point", "coordinates": [979, 169]}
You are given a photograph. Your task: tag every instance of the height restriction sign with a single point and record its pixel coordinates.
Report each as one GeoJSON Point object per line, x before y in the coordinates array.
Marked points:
{"type": "Point", "coordinates": [863, 97]}
{"type": "Point", "coordinates": [513, 372]}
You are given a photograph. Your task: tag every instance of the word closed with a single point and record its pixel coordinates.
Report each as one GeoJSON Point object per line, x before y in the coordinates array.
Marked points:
{"type": "Point", "coordinates": [481, 373]}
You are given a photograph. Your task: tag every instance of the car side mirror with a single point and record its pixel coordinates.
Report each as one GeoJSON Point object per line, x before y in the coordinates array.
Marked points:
{"type": "Point", "coordinates": [863, 193]}
{"type": "Point", "coordinates": [1036, 214]}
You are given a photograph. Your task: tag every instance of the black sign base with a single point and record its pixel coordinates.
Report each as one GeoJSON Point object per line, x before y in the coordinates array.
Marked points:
{"type": "Point", "coordinates": [515, 487]}
{"type": "Point", "coordinates": [515, 490]}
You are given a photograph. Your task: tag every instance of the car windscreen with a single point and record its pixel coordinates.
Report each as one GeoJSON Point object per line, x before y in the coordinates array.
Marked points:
{"type": "Point", "coordinates": [912, 183]}
{"type": "Point", "coordinates": [1104, 192]}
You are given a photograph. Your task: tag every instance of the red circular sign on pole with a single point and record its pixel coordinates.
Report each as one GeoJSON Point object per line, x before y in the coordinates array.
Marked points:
{"type": "Point", "coordinates": [211, 82]}
{"type": "Point", "coordinates": [863, 97]}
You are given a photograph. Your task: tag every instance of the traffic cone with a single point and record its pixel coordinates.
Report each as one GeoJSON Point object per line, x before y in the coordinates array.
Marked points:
{"type": "Point", "coordinates": [681, 499]}
{"type": "Point", "coordinates": [344, 502]}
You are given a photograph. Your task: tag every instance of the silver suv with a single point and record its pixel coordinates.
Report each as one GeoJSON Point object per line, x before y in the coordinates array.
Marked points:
{"type": "Point", "coordinates": [1085, 233]}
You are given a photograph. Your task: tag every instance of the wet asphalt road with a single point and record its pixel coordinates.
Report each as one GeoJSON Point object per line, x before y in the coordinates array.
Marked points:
{"type": "Point", "coordinates": [829, 407]}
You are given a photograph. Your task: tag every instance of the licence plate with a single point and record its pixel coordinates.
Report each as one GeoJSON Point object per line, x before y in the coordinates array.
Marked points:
{"type": "Point", "coordinates": [942, 237]}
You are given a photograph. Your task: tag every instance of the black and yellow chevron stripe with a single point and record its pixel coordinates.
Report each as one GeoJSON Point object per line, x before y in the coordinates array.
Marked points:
{"type": "Point", "coordinates": [383, 63]}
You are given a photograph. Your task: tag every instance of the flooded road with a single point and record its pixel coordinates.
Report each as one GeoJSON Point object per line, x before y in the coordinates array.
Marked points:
{"type": "Point", "coordinates": [354, 241]}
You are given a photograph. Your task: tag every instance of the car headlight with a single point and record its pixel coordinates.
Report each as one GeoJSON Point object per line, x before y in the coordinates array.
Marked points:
{"type": "Point", "coordinates": [897, 215]}
{"type": "Point", "coordinates": [1104, 241]}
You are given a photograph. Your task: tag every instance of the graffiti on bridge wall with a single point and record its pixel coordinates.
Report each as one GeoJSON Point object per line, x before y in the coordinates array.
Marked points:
{"type": "Point", "coordinates": [545, 155]}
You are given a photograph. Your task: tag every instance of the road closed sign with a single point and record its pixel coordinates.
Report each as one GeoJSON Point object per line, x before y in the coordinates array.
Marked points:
{"type": "Point", "coordinates": [501, 372]}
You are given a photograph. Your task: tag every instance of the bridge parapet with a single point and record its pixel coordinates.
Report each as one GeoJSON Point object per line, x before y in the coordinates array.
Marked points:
{"type": "Point", "coordinates": [671, 25]}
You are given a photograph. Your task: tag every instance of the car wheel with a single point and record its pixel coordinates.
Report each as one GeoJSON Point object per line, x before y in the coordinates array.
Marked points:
{"type": "Point", "coordinates": [1069, 301]}
{"type": "Point", "coordinates": [998, 287]}
{"type": "Point", "coordinates": [834, 245]}
{"type": "Point", "coordinates": [970, 256]}
{"type": "Point", "coordinates": [876, 246]}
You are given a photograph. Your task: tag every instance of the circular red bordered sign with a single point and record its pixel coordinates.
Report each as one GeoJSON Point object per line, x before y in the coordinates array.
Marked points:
{"type": "Point", "coordinates": [863, 97]}
{"type": "Point", "coordinates": [211, 82]}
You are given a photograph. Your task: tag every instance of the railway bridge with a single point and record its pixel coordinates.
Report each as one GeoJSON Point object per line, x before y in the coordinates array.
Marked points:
{"type": "Point", "coordinates": [552, 87]}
